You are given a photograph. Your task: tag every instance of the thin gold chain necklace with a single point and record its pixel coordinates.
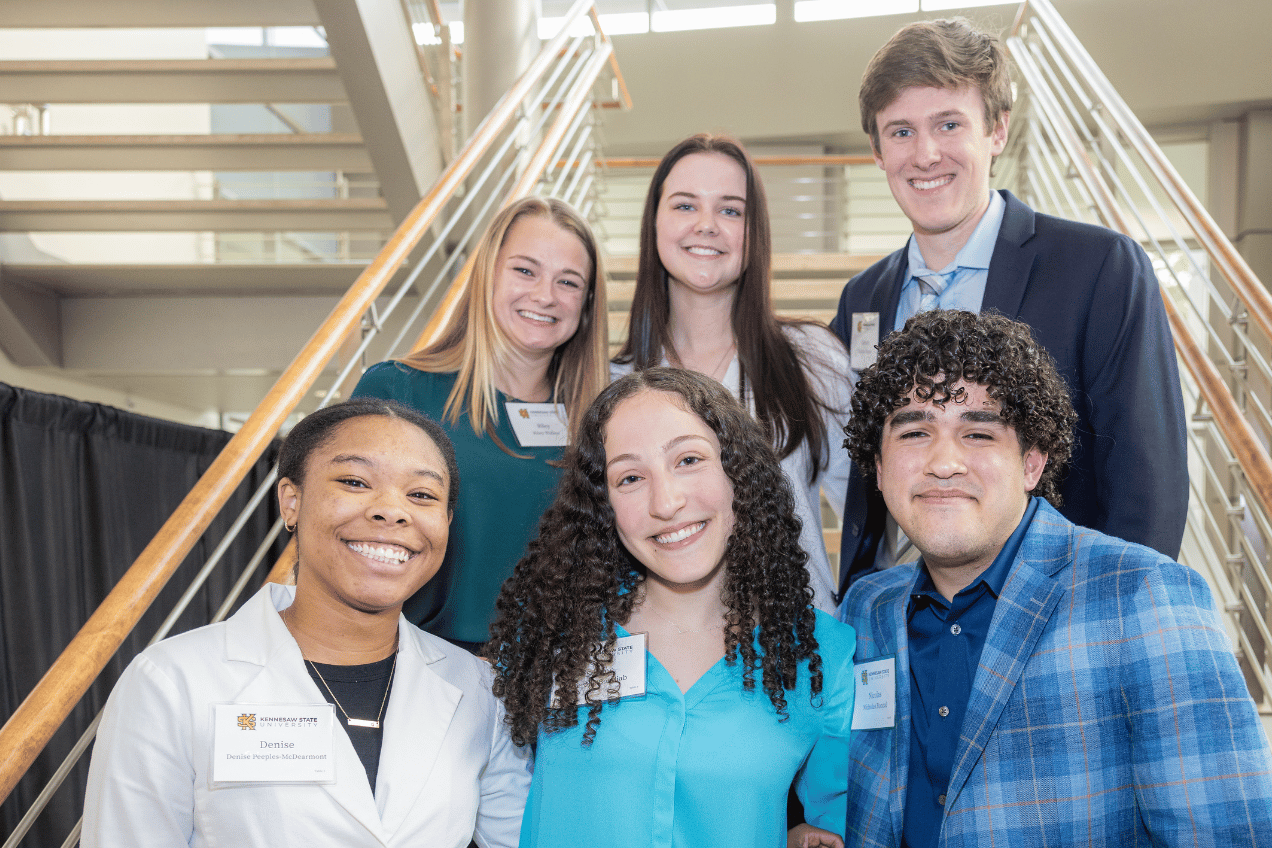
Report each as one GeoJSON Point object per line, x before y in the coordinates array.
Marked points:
{"type": "Point", "coordinates": [350, 720]}
{"type": "Point", "coordinates": [359, 722]}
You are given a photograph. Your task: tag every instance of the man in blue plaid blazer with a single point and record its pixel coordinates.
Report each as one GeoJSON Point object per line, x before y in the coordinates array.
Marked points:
{"type": "Point", "coordinates": [1047, 684]}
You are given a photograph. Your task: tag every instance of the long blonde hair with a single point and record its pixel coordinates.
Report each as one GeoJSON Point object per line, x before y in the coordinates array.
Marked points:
{"type": "Point", "coordinates": [474, 346]}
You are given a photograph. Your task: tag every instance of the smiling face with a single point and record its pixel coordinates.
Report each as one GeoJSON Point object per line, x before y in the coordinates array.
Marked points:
{"type": "Point", "coordinates": [372, 517]}
{"type": "Point", "coordinates": [937, 157]}
{"type": "Point", "coordinates": [955, 480]}
{"type": "Point", "coordinates": [700, 225]}
{"type": "Point", "coordinates": [540, 284]}
{"type": "Point", "coordinates": [672, 501]}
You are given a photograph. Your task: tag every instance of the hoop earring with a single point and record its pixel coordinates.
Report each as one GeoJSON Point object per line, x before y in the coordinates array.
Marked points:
{"type": "Point", "coordinates": [290, 528]}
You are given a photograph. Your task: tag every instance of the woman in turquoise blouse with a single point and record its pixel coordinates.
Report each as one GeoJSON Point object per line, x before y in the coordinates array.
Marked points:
{"type": "Point", "coordinates": [530, 331]}
{"type": "Point", "coordinates": [658, 643]}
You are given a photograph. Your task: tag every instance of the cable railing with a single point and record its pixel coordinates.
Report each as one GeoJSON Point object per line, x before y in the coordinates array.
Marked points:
{"type": "Point", "coordinates": [539, 138]}
{"type": "Point", "coordinates": [1079, 152]}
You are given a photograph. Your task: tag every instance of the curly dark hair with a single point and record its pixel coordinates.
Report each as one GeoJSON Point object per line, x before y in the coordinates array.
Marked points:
{"type": "Point", "coordinates": [557, 613]}
{"type": "Point", "coordinates": [939, 348]}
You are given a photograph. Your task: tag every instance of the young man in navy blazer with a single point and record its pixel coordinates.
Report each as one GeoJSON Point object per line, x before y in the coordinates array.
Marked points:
{"type": "Point", "coordinates": [1027, 681]}
{"type": "Point", "coordinates": [936, 104]}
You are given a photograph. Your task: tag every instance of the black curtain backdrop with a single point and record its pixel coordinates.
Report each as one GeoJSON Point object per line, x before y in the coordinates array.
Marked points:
{"type": "Point", "coordinates": [83, 489]}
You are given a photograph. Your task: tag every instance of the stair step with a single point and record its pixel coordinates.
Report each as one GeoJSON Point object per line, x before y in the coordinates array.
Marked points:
{"type": "Point", "coordinates": [262, 152]}
{"type": "Point", "coordinates": [40, 14]}
{"type": "Point", "coordinates": [283, 80]}
{"type": "Point", "coordinates": [317, 215]}
{"type": "Point", "coordinates": [192, 280]}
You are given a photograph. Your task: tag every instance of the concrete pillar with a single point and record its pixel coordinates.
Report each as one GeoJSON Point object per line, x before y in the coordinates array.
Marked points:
{"type": "Point", "coordinates": [501, 39]}
{"type": "Point", "coordinates": [1254, 205]}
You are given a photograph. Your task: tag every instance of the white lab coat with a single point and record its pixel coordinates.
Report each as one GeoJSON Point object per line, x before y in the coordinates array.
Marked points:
{"type": "Point", "coordinates": [448, 770]}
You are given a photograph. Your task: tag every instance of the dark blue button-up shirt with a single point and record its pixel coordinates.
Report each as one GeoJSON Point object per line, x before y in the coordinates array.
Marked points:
{"type": "Point", "coordinates": [945, 642]}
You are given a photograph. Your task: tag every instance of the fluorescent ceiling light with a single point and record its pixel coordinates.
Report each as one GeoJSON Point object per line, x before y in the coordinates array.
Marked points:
{"type": "Point", "coordinates": [833, 10]}
{"type": "Point", "coordinates": [758, 14]}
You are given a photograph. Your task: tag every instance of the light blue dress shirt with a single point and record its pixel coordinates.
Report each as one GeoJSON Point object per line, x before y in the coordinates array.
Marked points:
{"type": "Point", "coordinates": [711, 766]}
{"type": "Point", "coordinates": [970, 268]}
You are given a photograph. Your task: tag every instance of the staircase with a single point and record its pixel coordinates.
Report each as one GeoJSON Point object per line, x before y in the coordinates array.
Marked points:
{"type": "Point", "coordinates": [301, 257]}
{"type": "Point", "coordinates": [243, 202]}
{"type": "Point", "coordinates": [537, 138]}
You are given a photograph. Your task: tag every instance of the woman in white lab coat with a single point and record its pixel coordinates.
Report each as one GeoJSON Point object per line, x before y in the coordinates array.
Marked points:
{"type": "Point", "coordinates": [316, 715]}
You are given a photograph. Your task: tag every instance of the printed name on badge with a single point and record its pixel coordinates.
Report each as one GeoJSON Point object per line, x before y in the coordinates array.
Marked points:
{"type": "Point", "coordinates": [875, 705]}
{"type": "Point", "coordinates": [273, 743]}
{"type": "Point", "coordinates": [865, 338]}
{"type": "Point", "coordinates": [628, 668]}
{"type": "Point", "coordinates": [539, 425]}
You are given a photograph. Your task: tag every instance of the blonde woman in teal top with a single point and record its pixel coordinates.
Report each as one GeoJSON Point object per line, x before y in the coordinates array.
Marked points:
{"type": "Point", "coordinates": [530, 330]}
{"type": "Point", "coordinates": [658, 643]}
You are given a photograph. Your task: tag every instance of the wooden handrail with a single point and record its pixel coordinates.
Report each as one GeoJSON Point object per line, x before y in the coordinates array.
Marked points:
{"type": "Point", "coordinates": [1231, 264]}
{"type": "Point", "coordinates": [1237, 432]}
{"type": "Point", "coordinates": [624, 97]}
{"type": "Point", "coordinates": [30, 727]}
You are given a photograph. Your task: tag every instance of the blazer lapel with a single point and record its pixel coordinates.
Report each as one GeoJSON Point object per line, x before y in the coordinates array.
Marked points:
{"type": "Point", "coordinates": [1020, 616]}
{"type": "Point", "coordinates": [283, 679]}
{"type": "Point", "coordinates": [419, 713]}
{"type": "Point", "coordinates": [1012, 264]}
{"type": "Point", "coordinates": [887, 294]}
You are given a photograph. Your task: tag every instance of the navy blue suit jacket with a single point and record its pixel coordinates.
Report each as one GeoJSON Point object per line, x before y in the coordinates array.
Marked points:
{"type": "Point", "coordinates": [1095, 305]}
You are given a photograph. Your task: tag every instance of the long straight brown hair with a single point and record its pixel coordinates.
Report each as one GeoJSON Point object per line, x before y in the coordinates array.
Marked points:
{"type": "Point", "coordinates": [772, 374]}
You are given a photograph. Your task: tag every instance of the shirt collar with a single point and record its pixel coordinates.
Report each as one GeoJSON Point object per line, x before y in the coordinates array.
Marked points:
{"type": "Point", "coordinates": [994, 577]}
{"type": "Point", "coordinates": [979, 249]}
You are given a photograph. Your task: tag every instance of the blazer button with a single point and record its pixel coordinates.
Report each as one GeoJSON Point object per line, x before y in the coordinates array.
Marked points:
{"type": "Point", "coordinates": [940, 799]}
{"type": "Point", "coordinates": [943, 712]}
{"type": "Point", "coordinates": [956, 629]}
{"type": "Point", "coordinates": [856, 529]}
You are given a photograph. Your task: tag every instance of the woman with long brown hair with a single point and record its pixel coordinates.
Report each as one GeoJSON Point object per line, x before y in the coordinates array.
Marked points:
{"type": "Point", "coordinates": [703, 302]}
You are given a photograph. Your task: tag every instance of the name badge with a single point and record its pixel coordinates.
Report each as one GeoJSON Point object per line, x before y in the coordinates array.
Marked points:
{"type": "Point", "coordinates": [875, 705]}
{"type": "Point", "coordinates": [539, 425]}
{"type": "Point", "coordinates": [273, 743]}
{"type": "Point", "coordinates": [865, 339]}
{"type": "Point", "coordinates": [628, 668]}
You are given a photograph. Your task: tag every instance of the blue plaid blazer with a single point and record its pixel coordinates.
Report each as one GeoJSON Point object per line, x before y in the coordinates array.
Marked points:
{"type": "Point", "coordinates": [1108, 709]}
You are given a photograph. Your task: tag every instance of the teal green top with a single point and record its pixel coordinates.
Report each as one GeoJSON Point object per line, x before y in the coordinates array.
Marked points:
{"type": "Point", "coordinates": [501, 498]}
{"type": "Point", "coordinates": [711, 766]}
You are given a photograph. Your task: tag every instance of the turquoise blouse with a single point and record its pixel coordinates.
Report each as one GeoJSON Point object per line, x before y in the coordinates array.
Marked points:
{"type": "Point", "coordinates": [711, 766]}
{"type": "Point", "coordinates": [501, 498]}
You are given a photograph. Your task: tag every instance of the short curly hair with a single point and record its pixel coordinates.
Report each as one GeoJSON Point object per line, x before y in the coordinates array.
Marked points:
{"type": "Point", "coordinates": [557, 613]}
{"type": "Point", "coordinates": [939, 348]}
